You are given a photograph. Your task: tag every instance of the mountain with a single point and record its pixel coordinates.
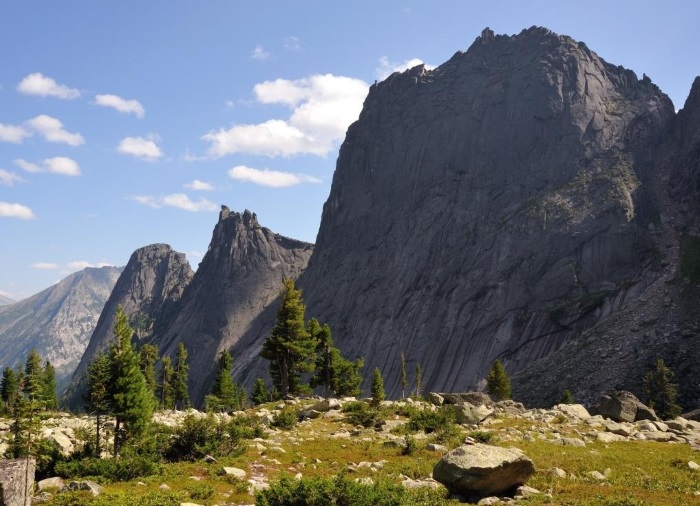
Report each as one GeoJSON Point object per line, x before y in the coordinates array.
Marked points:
{"type": "Point", "coordinates": [5, 301]}
{"type": "Point", "coordinates": [231, 302]}
{"type": "Point", "coordinates": [58, 321]}
{"type": "Point", "coordinates": [497, 206]}
{"type": "Point", "coordinates": [148, 290]}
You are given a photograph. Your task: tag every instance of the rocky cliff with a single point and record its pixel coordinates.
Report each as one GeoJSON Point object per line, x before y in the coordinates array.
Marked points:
{"type": "Point", "coordinates": [230, 303]}
{"type": "Point", "coordinates": [494, 207]}
{"type": "Point", "coordinates": [148, 289]}
{"type": "Point", "coordinates": [58, 321]}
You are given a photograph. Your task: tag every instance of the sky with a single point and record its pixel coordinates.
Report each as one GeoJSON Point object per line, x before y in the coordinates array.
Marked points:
{"type": "Point", "coordinates": [126, 123]}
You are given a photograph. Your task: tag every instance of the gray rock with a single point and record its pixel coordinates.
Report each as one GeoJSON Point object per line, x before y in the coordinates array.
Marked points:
{"type": "Point", "coordinates": [468, 414]}
{"type": "Point", "coordinates": [234, 471]}
{"type": "Point", "coordinates": [479, 470]}
{"type": "Point", "coordinates": [436, 399]}
{"type": "Point", "coordinates": [85, 485]}
{"type": "Point", "coordinates": [693, 466]}
{"type": "Point", "coordinates": [13, 474]}
{"type": "Point", "coordinates": [623, 406]}
{"type": "Point", "coordinates": [47, 483]}
{"type": "Point", "coordinates": [434, 447]}
{"type": "Point", "coordinates": [573, 410]}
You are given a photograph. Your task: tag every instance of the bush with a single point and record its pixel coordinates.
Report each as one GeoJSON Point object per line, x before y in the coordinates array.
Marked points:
{"type": "Point", "coordinates": [200, 491]}
{"type": "Point", "coordinates": [159, 498]}
{"type": "Point", "coordinates": [124, 468]}
{"type": "Point", "coordinates": [286, 418]}
{"type": "Point", "coordinates": [431, 421]}
{"type": "Point", "coordinates": [360, 413]}
{"type": "Point", "coordinates": [482, 436]}
{"type": "Point", "coordinates": [410, 447]}
{"type": "Point", "coordinates": [197, 437]}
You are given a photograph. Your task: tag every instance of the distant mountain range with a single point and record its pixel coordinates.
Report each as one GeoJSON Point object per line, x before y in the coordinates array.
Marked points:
{"type": "Point", "coordinates": [5, 301]}
{"type": "Point", "coordinates": [58, 321]}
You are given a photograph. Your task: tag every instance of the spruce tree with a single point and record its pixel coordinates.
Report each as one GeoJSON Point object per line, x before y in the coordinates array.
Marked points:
{"type": "Point", "coordinates": [335, 373]}
{"type": "Point", "coordinates": [33, 386]}
{"type": "Point", "coordinates": [289, 347]}
{"type": "Point", "coordinates": [404, 376]}
{"type": "Point", "coordinates": [662, 395]}
{"type": "Point", "coordinates": [224, 391]}
{"type": "Point", "coordinates": [260, 393]}
{"type": "Point", "coordinates": [567, 397]}
{"type": "Point", "coordinates": [148, 356]}
{"type": "Point", "coordinates": [98, 400]}
{"type": "Point", "coordinates": [377, 388]}
{"type": "Point", "coordinates": [50, 386]}
{"type": "Point", "coordinates": [181, 378]}
{"type": "Point", "coordinates": [419, 380]}
{"type": "Point", "coordinates": [166, 392]}
{"type": "Point", "coordinates": [131, 401]}
{"type": "Point", "coordinates": [9, 388]}
{"type": "Point", "coordinates": [498, 382]}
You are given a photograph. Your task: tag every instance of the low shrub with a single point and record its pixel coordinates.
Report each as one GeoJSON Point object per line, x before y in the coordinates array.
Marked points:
{"type": "Point", "coordinates": [124, 468]}
{"type": "Point", "coordinates": [431, 421]}
{"type": "Point", "coordinates": [361, 413]}
{"type": "Point", "coordinates": [200, 491]}
{"type": "Point", "coordinates": [482, 436]}
{"type": "Point", "coordinates": [286, 418]}
{"type": "Point", "coordinates": [200, 436]}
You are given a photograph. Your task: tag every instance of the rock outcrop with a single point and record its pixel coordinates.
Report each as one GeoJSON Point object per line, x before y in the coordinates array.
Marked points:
{"type": "Point", "coordinates": [231, 302]}
{"type": "Point", "coordinates": [58, 321]}
{"type": "Point", "coordinates": [148, 290]}
{"type": "Point", "coordinates": [494, 207]}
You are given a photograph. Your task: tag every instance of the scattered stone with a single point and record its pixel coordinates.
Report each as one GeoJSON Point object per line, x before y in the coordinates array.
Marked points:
{"type": "Point", "coordinates": [621, 429]}
{"type": "Point", "coordinates": [436, 399]}
{"type": "Point", "coordinates": [434, 447]}
{"type": "Point", "coordinates": [209, 459]}
{"type": "Point", "coordinates": [469, 414]}
{"type": "Point", "coordinates": [573, 441]}
{"type": "Point", "coordinates": [480, 470]}
{"type": "Point", "coordinates": [559, 473]}
{"type": "Point", "coordinates": [164, 486]}
{"type": "Point", "coordinates": [693, 466]}
{"type": "Point", "coordinates": [525, 491]}
{"type": "Point", "coordinates": [575, 410]}
{"type": "Point", "coordinates": [426, 483]}
{"type": "Point", "coordinates": [658, 436]}
{"type": "Point", "coordinates": [623, 406]}
{"type": "Point", "coordinates": [609, 437]}
{"type": "Point", "coordinates": [488, 501]}
{"type": "Point", "coordinates": [327, 405]}
{"type": "Point", "coordinates": [54, 482]}
{"type": "Point", "coordinates": [86, 485]}
{"type": "Point", "coordinates": [234, 471]}
{"type": "Point", "coordinates": [597, 475]}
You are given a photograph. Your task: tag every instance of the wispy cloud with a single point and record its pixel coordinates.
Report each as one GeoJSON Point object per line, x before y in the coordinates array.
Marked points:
{"type": "Point", "coordinates": [43, 86]}
{"type": "Point", "coordinates": [386, 67]}
{"type": "Point", "coordinates": [12, 210]}
{"type": "Point", "coordinates": [260, 54]}
{"type": "Point", "coordinates": [140, 147]}
{"type": "Point", "coordinates": [177, 200]}
{"type": "Point", "coordinates": [121, 104]}
{"type": "Point", "coordinates": [51, 129]}
{"type": "Point", "coordinates": [8, 178]}
{"type": "Point", "coordinates": [322, 108]}
{"type": "Point", "coordinates": [267, 177]}
{"type": "Point", "coordinates": [198, 185]}
{"type": "Point", "coordinates": [61, 165]}
{"type": "Point", "coordinates": [13, 133]}
{"type": "Point", "coordinates": [44, 266]}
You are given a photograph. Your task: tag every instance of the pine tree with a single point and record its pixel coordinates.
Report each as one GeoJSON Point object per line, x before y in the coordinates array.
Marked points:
{"type": "Point", "coordinates": [224, 391]}
{"type": "Point", "coordinates": [33, 386]}
{"type": "Point", "coordinates": [131, 401]}
{"type": "Point", "coordinates": [377, 388]}
{"type": "Point", "coordinates": [419, 380]}
{"type": "Point", "coordinates": [498, 382]}
{"type": "Point", "coordinates": [404, 376]}
{"type": "Point", "coordinates": [181, 378]}
{"type": "Point", "coordinates": [289, 347]}
{"type": "Point", "coordinates": [335, 373]}
{"type": "Point", "coordinates": [567, 397]}
{"type": "Point", "coordinates": [148, 356]}
{"type": "Point", "coordinates": [166, 392]}
{"type": "Point", "coordinates": [50, 386]}
{"type": "Point", "coordinates": [662, 395]}
{"type": "Point", "coordinates": [98, 397]}
{"type": "Point", "coordinates": [9, 388]}
{"type": "Point", "coordinates": [26, 406]}
{"type": "Point", "coordinates": [260, 392]}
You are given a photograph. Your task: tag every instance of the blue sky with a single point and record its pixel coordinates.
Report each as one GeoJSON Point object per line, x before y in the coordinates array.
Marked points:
{"type": "Point", "coordinates": [128, 123]}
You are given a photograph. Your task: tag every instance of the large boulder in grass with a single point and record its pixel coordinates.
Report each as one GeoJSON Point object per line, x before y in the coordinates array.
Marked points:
{"type": "Point", "coordinates": [468, 414]}
{"type": "Point", "coordinates": [479, 470]}
{"type": "Point", "coordinates": [623, 406]}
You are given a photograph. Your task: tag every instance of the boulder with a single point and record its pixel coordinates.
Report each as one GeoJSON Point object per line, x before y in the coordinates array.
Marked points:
{"type": "Point", "coordinates": [469, 414]}
{"type": "Point", "coordinates": [574, 410]}
{"type": "Point", "coordinates": [234, 471]}
{"type": "Point", "coordinates": [436, 399]}
{"type": "Point", "coordinates": [54, 482]}
{"type": "Point", "coordinates": [326, 405]}
{"type": "Point", "coordinates": [87, 485]}
{"type": "Point", "coordinates": [692, 415]}
{"type": "Point", "coordinates": [478, 470]}
{"type": "Point", "coordinates": [12, 480]}
{"type": "Point", "coordinates": [623, 406]}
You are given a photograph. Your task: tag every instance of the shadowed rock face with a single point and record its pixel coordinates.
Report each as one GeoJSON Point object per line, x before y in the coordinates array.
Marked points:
{"type": "Point", "coordinates": [230, 303]}
{"type": "Point", "coordinates": [148, 289]}
{"type": "Point", "coordinates": [493, 207]}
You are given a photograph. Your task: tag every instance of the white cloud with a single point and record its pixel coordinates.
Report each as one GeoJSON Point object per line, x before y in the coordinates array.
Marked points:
{"type": "Point", "coordinates": [61, 165]}
{"type": "Point", "coordinates": [198, 185]}
{"type": "Point", "coordinates": [39, 84]}
{"type": "Point", "coordinates": [178, 200]}
{"type": "Point", "coordinates": [8, 178]}
{"type": "Point", "coordinates": [386, 67]}
{"type": "Point", "coordinates": [11, 210]}
{"type": "Point", "coordinates": [323, 106]}
{"type": "Point", "coordinates": [9, 295]}
{"type": "Point", "coordinates": [52, 130]}
{"type": "Point", "coordinates": [140, 147]}
{"type": "Point", "coordinates": [120, 104]}
{"type": "Point", "coordinates": [267, 177]}
{"type": "Point", "coordinates": [78, 265]}
{"type": "Point", "coordinates": [44, 266]}
{"type": "Point", "coordinates": [12, 133]}
{"type": "Point", "coordinates": [259, 53]}
{"type": "Point", "coordinates": [292, 43]}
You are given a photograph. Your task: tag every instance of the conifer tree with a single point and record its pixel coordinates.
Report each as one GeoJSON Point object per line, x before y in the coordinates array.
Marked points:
{"type": "Point", "coordinates": [26, 406]}
{"type": "Point", "coordinates": [662, 395]}
{"type": "Point", "coordinates": [33, 386]}
{"type": "Point", "coordinates": [98, 399]}
{"type": "Point", "coordinates": [181, 378]}
{"type": "Point", "coordinates": [260, 392]}
{"type": "Point", "coordinates": [224, 393]}
{"type": "Point", "coordinates": [50, 385]}
{"type": "Point", "coordinates": [148, 356]}
{"type": "Point", "coordinates": [419, 380]}
{"type": "Point", "coordinates": [498, 382]}
{"type": "Point", "coordinates": [567, 397]}
{"type": "Point", "coordinates": [335, 373]}
{"type": "Point", "coordinates": [166, 391]}
{"type": "Point", "coordinates": [9, 388]}
{"type": "Point", "coordinates": [404, 376]}
{"type": "Point", "coordinates": [131, 401]}
{"type": "Point", "coordinates": [377, 388]}
{"type": "Point", "coordinates": [289, 347]}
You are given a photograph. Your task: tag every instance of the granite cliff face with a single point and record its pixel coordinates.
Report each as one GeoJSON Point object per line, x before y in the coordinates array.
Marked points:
{"type": "Point", "coordinates": [230, 303]}
{"type": "Point", "coordinates": [148, 289]}
{"type": "Point", "coordinates": [494, 207]}
{"type": "Point", "coordinates": [58, 321]}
